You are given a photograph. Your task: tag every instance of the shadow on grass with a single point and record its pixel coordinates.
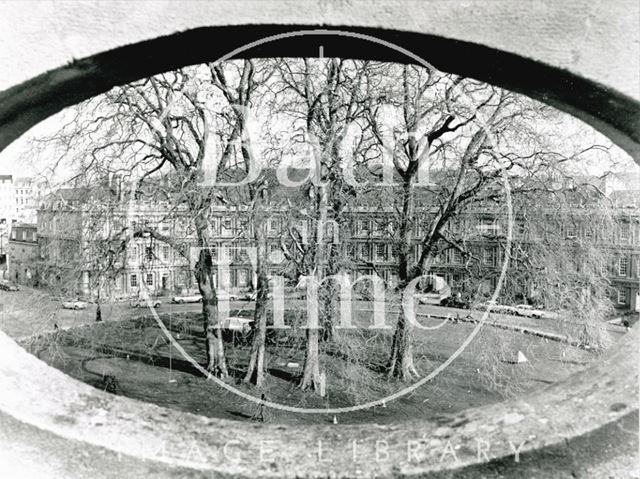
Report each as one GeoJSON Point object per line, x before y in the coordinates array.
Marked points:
{"type": "Point", "coordinates": [284, 375]}
{"type": "Point", "coordinates": [175, 364]}
{"type": "Point", "coordinates": [239, 414]}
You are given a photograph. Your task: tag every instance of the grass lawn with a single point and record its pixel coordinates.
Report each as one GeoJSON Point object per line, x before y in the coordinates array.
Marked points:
{"type": "Point", "coordinates": [138, 355]}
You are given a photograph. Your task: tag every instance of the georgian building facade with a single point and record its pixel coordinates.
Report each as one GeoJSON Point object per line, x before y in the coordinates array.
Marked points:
{"type": "Point", "coordinates": [65, 253]}
{"type": "Point", "coordinates": [625, 270]}
{"type": "Point", "coordinates": [73, 238]}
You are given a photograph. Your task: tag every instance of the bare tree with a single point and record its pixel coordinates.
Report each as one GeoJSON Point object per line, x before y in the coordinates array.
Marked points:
{"type": "Point", "coordinates": [240, 95]}
{"type": "Point", "coordinates": [175, 129]}
{"type": "Point", "coordinates": [80, 234]}
{"type": "Point", "coordinates": [449, 141]}
{"type": "Point", "coordinates": [323, 98]}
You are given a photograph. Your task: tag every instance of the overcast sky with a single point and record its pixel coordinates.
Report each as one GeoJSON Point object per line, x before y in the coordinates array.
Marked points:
{"type": "Point", "coordinates": [16, 159]}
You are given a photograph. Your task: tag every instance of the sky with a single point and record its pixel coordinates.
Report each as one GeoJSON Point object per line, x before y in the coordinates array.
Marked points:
{"type": "Point", "coordinates": [17, 160]}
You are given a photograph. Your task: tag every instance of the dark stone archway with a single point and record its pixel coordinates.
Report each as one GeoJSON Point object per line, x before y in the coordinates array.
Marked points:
{"type": "Point", "coordinates": [614, 114]}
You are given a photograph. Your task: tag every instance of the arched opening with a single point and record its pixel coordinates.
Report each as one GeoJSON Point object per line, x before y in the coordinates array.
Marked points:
{"type": "Point", "coordinates": [71, 413]}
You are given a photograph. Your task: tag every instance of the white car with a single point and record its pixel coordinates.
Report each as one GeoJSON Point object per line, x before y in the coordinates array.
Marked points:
{"type": "Point", "coordinates": [75, 305]}
{"type": "Point", "coordinates": [236, 323]}
{"type": "Point", "coordinates": [236, 328]}
{"type": "Point", "coordinates": [430, 298]}
{"type": "Point", "coordinates": [224, 295]}
{"type": "Point", "coordinates": [194, 298]}
{"type": "Point", "coordinates": [143, 303]}
{"type": "Point", "coordinates": [495, 307]}
{"type": "Point", "coordinates": [530, 311]}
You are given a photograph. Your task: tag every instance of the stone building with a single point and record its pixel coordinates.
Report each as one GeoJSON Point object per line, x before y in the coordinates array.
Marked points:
{"type": "Point", "coordinates": [7, 217]}
{"type": "Point", "coordinates": [70, 227]}
{"type": "Point", "coordinates": [7, 199]}
{"type": "Point", "coordinates": [27, 196]}
{"type": "Point", "coordinates": [78, 233]}
{"type": "Point", "coordinates": [22, 253]}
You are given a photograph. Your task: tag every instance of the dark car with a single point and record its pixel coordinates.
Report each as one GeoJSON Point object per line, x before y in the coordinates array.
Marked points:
{"type": "Point", "coordinates": [452, 302]}
{"type": "Point", "coordinates": [6, 286]}
{"type": "Point", "coordinates": [629, 320]}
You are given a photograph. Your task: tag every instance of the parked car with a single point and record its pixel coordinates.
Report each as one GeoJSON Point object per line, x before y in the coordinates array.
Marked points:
{"type": "Point", "coordinates": [483, 305]}
{"type": "Point", "coordinates": [431, 298]}
{"type": "Point", "coordinates": [533, 312]}
{"type": "Point", "coordinates": [452, 302]}
{"type": "Point", "coordinates": [236, 328]}
{"type": "Point", "coordinates": [143, 303]}
{"type": "Point", "coordinates": [247, 296]}
{"type": "Point", "coordinates": [225, 295]}
{"type": "Point", "coordinates": [75, 305]}
{"type": "Point", "coordinates": [237, 323]}
{"type": "Point", "coordinates": [250, 296]}
{"type": "Point", "coordinates": [120, 298]}
{"type": "Point", "coordinates": [193, 298]}
{"type": "Point", "coordinates": [288, 293]}
{"type": "Point", "coordinates": [7, 286]}
{"type": "Point", "coordinates": [629, 320]}
{"type": "Point", "coordinates": [494, 307]}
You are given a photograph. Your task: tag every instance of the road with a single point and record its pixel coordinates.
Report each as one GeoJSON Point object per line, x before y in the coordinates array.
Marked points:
{"type": "Point", "coordinates": [30, 311]}
{"type": "Point", "coordinates": [541, 324]}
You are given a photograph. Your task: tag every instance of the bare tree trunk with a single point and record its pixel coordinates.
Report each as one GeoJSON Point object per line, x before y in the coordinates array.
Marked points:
{"type": "Point", "coordinates": [328, 312]}
{"type": "Point", "coordinates": [401, 361]}
{"type": "Point", "coordinates": [335, 262]}
{"type": "Point", "coordinates": [216, 363]}
{"type": "Point", "coordinates": [255, 371]}
{"type": "Point", "coordinates": [311, 375]}
{"type": "Point", "coordinates": [401, 358]}
{"type": "Point", "coordinates": [329, 294]}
